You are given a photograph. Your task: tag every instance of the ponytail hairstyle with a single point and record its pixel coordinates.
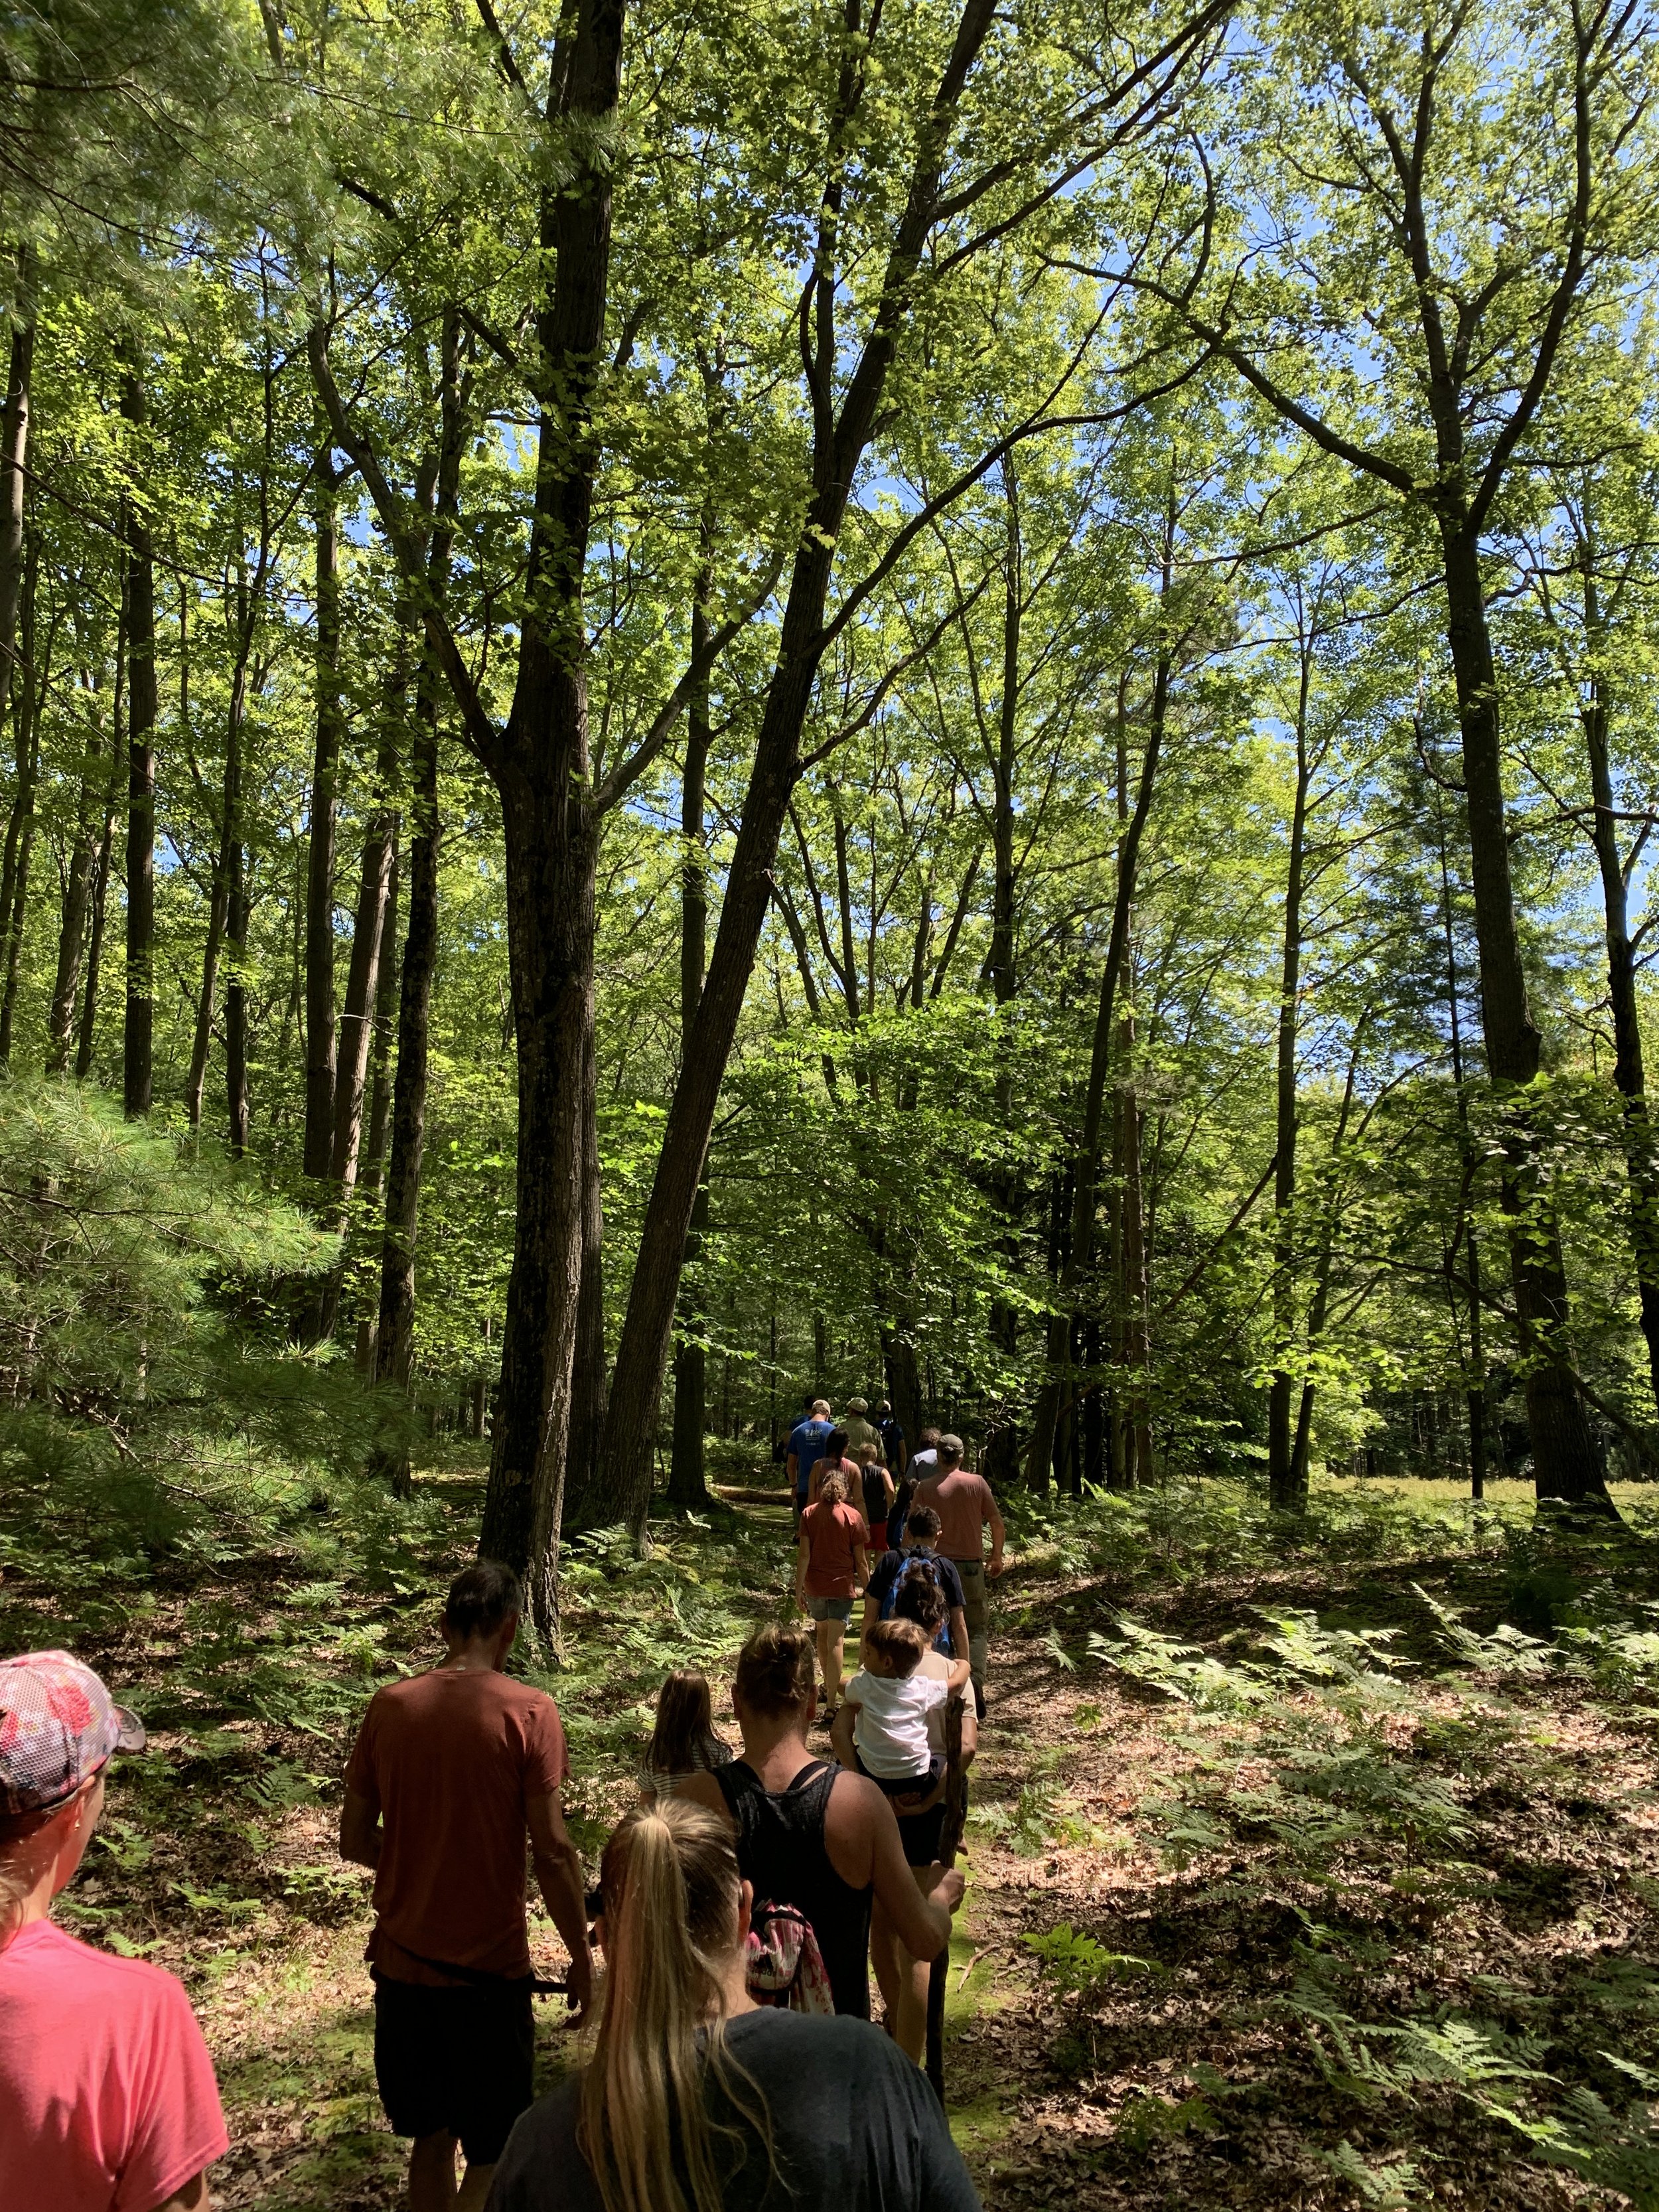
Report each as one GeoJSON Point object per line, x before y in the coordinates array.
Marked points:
{"type": "Point", "coordinates": [832, 1488]}
{"type": "Point", "coordinates": [776, 1672]}
{"type": "Point", "coordinates": [683, 1740]}
{"type": "Point", "coordinates": [671, 1891]}
{"type": "Point", "coordinates": [22, 1859]}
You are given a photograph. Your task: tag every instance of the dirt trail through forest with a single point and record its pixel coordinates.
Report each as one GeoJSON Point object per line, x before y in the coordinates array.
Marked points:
{"type": "Point", "coordinates": [1323, 1913]}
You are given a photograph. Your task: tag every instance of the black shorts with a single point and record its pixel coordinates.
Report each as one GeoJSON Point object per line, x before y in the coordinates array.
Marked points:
{"type": "Point", "coordinates": [454, 2062]}
{"type": "Point", "coordinates": [918, 1833]}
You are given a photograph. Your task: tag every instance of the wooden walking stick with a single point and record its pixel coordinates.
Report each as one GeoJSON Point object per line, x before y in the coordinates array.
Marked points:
{"type": "Point", "coordinates": [949, 1837]}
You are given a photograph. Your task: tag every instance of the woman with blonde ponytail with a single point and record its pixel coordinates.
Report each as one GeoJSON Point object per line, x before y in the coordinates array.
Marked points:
{"type": "Point", "coordinates": [697, 2100]}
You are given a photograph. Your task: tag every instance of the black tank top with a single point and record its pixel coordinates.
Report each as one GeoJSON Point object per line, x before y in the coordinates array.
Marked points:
{"type": "Point", "coordinates": [875, 1495]}
{"type": "Point", "coordinates": [780, 1849]}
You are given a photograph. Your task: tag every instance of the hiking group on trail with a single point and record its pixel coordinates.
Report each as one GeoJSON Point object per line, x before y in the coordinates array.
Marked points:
{"type": "Point", "coordinates": [739, 1910]}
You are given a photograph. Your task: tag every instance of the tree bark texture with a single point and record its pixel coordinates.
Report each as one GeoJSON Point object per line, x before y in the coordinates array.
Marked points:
{"type": "Point", "coordinates": [1000, 1460]}
{"type": "Point", "coordinates": [13, 484]}
{"type": "Point", "coordinates": [77, 893]}
{"type": "Point", "coordinates": [1564, 1459]}
{"type": "Point", "coordinates": [395, 1327]}
{"type": "Point", "coordinates": [1283, 1494]}
{"type": "Point", "coordinates": [541, 766]}
{"type": "Point", "coordinates": [137, 1053]}
{"type": "Point", "coordinates": [1629, 1075]}
{"type": "Point", "coordinates": [395, 1332]}
{"type": "Point", "coordinates": [686, 1484]}
{"type": "Point", "coordinates": [19, 821]}
{"type": "Point", "coordinates": [86, 1032]}
{"type": "Point", "coordinates": [319, 859]}
{"type": "Point", "coordinates": [236, 1097]}
{"type": "Point", "coordinates": [386, 1018]}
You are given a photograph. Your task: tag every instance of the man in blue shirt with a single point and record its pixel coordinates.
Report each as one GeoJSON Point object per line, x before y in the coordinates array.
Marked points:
{"type": "Point", "coordinates": [806, 1442]}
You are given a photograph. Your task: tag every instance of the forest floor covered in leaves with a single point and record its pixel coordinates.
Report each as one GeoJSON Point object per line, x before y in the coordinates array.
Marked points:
{"type": "Point", "coordinates": [1310, 1865]}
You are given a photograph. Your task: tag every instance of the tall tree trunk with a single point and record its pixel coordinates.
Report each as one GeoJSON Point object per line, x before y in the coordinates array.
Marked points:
{"type": "Point", "coordinates": [1641, 1164]}
{"type": "Point", "coordinates": [1320, 1303]}
{"type": "Point", "coordinates": [1564, 1459]}
{"type": "Point", "coordinates": [1138, 1346]}
{"type": "Point", "coordinates": [1282, 1492]}
{"type": "Point", "coordinates": [20, 822]}
{"type": "Point", "coordinates": [219, 895]}
{"type": "Point", "coordinates": [87, 1034]}
{"type": "Point", "coordinates": [542, 768]}
{"type": "Point", "coordinates": [840, 442]}
{"type": "Point", "coordinates": [14, 476]}
{"type": "Point", "coordinates": [363, 980]}
{"type": "Point", "coordinates": [319, 859]}
{"type": "Point", "coordinates": [77, 891]}
{"type": "Point", "coordinates": [236, 1098]}
{"type": "Point", "coordinates": [1000, 1461]}
{"type": "Point", "coordinates": [590, 1378]}
{"type": "Point", "coordinates": [395, 1328]}
{"type": "Point", "coordinates": [687, 1486]}
{"type": "Point", "coordinates": [1085, 1165]}
{"type": "Point", "coordinates": [1475, 1395]}
{"type": "Point", "coordinates": [395, 1334]}
{"type": "Point", "coordinates": [385, 1016]}
{"type": "Point", "coordinates": [137, 1055]}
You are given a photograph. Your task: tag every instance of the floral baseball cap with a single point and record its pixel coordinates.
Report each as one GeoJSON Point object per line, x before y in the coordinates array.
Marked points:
{"type": "Point", "coordinates": [58, 1726]}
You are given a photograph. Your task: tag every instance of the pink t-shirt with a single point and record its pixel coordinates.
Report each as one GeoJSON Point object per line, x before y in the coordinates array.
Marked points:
{"type": "Point", "coordinates": [108, 2099]}
{"type": "Point", "coordinates": [964, 1505]}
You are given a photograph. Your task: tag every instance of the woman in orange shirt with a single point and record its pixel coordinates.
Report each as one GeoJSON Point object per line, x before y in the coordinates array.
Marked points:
{"type": "Point", "coordinates": [832, 1565]}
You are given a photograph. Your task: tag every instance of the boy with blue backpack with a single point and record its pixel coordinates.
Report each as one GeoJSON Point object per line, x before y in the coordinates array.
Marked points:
{"type": "Point", "coordinates": [920, 1558]}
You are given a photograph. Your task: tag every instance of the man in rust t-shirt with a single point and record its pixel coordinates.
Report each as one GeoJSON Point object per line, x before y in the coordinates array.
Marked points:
{"type": "Point", "coordinates": [451, 1771]}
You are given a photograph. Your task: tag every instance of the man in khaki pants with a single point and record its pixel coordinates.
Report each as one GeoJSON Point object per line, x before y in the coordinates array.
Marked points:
{"type": "Point", "coordinates": [966, 1507]}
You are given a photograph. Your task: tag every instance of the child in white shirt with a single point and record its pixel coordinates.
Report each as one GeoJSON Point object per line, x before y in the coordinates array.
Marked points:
{"type": "Point", "coordinates": [891, 1700]}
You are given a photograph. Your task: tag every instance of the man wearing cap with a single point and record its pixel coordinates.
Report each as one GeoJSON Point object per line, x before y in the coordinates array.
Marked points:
{"type": "Point", "coordinates": [862, 1434]}
{"type": "Point", "coordinates": [966, 1508]}
{"type": "Point", "coordinates": [806, 1442]}
{"type": "Point", "coordinates": [107, 2098]}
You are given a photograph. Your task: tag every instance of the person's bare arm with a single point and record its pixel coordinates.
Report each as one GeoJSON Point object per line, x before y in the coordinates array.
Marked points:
{"type": "Point", "coordinates": [703, 1790]}
{"type": "Point", "coordinates": [791, 1469]}
{"type": "Point", "coordinates": [840, 1734]}
{"type": "Point", "coordinates": [802, 1555]}
{"type": "Point", "coordinates": [958, 1632]}
{"type": "Point", "coordinates": [958, 1673]}
{"type": "Point", "coordinates": [559, 1877]}
{"type": "Point", "coordinates": [192, 2197]}
{"type": "Point", "coordinates": [360, 1833]}
{"type": "Point", "coordinates": [998, 1536]}
{"type": "Point", "coordinates": [861, 1564]}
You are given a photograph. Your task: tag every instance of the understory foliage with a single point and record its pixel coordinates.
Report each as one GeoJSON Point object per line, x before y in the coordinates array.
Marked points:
{"type": "Point", "coordinates": [1396, 1784]}
{"type": "Point", "coordinates": [144, 1389]}
{"type": "Point", "coordinates": [1318, 1852]}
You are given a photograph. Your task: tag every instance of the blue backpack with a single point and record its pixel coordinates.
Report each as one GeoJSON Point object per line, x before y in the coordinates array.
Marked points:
{"type": "Point", "coordinates": [921, 1563]}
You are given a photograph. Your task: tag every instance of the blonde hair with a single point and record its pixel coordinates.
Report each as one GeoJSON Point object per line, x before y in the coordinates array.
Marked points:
{"type": "Point", "coordinates": [832, 1489]}
{"type": "Point", "coordinates": [671, 1887]}
{"type": "Point", "coordinates": [899, 1644]}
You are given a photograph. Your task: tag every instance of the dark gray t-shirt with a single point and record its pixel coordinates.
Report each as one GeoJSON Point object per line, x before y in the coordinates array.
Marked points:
{"type": "Point", "coordinates": [855, 2128]}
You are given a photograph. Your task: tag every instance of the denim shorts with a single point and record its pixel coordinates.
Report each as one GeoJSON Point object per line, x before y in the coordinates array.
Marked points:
{"type": "Point", "coordinates": [830, 1608]}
